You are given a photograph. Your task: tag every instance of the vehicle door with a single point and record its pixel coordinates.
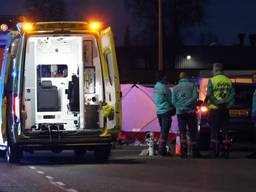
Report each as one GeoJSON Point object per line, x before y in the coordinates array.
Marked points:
{"type": "Point", "coordinates": [111, 79]}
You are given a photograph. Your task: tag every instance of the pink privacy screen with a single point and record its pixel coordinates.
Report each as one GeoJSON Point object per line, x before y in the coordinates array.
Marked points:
{"type": "Point", "coordinates": [139, 112]}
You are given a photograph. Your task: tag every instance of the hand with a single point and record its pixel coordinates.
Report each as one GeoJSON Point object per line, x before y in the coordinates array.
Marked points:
{"type": "Point", "coordinates": [102, 103]}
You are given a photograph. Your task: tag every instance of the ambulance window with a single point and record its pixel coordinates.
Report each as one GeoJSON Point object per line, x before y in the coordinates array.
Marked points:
{"type": "Point", "coordinates": [110, 67]}
{"type": "Point", "coordinates": [52, 71]}
{"type": "Point", "coordinates": [14, 48]}
{"type": "Point", "coordinates": [89, 80]}
{"type": "Point", "coordinates": [13, 54]}
{"type": "Point", "coordinates": [88, 52]}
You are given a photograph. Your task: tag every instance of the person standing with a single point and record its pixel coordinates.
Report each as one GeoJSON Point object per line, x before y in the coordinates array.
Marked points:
{"type": "Point", "coordinates": [164, 108]}
{"type": "Point", "coordinates": [220, 94]}
{"type": "Point", "coordinates": [184, 98]}
{"type": "Point", "coordinates": [254, 106]}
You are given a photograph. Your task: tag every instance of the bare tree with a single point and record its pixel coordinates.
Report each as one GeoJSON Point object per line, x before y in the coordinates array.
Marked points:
{"type": "Point", "coordinates": [178, 15]}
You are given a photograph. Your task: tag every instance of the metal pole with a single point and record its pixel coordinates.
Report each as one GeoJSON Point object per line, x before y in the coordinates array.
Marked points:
{"type": "Point", "coordinates": [160, 36]}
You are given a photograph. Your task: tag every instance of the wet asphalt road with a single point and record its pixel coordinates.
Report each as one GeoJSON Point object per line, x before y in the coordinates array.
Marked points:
{"type": "Point", "coordinates": [126, 171]}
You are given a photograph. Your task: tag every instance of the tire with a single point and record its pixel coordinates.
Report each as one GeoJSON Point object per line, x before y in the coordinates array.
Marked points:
{"type": "Point", "coordinates": [2, 153]}
{"type": "Point", "coordinates": [102, 154]}
{"type": "Point", "coordinates": [79, 153]}
{"type": "Point", "coordinates": [13, 153]}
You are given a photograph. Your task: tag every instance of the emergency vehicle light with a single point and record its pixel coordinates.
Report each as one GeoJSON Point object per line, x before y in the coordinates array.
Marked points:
{"type": "Point", "coordinates": [16, 107]}
{"type": "Point", "coordinates": [95, 25]}
{"type": "Point", "coordinates": [27, 26]}
{"type": "Point", "coordinates": [204, 109]}
{"type": "Point", "coordinates": [3, 27]}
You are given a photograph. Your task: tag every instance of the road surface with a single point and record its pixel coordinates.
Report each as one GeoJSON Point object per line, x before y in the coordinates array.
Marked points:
{"type": "Point", "coordinates": [127, 172]}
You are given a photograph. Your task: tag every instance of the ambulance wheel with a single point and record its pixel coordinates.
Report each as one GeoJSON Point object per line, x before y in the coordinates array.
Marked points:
{"type": "Point", "coordinates": [2, 153]}
{"type": "Point", "coordinates": [13, 153]}
{"type": "Point", "coordinates": [79, 153]}
{"type": "Point", "coordinates": [102, 154]}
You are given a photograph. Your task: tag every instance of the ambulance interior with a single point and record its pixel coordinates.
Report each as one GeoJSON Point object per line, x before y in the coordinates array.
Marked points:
{"type": "Point", "coordinates": [60, 69]}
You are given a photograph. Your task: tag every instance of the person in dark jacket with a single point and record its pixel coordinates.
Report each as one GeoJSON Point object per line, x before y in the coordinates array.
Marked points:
{"type": "Point", "coordinates": [164, 108]}
{"type": "Point", "coordinates": [254, 100]}
{"type": "Point", "coordinates": [184, 98]}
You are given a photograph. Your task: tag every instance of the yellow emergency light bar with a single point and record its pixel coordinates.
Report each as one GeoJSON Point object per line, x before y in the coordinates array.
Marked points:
{"type": "Point", "coordinates": [60, 26]}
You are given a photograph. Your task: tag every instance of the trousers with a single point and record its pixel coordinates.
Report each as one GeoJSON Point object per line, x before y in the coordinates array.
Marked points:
{"type": "Point", "coordinates": [219, 123]}
{"type": "Point", "coordinates": [165, 121]}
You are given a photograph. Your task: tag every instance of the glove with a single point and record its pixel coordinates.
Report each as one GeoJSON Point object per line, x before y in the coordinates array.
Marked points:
{"type": "Point", "coordinates": [108, 111]}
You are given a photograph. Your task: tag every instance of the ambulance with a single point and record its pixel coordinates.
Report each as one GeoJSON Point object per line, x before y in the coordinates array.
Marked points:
{"type": "Point", "coordinates": [59, 90]}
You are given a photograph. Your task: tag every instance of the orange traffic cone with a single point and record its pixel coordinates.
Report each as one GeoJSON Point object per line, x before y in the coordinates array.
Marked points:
{"type": "Point", "coordinates": [177, 146]}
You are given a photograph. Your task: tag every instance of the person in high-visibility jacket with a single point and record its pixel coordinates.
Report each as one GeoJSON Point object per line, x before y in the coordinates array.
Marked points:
{"type": "Point", "coordinates": [164, 108]}
{"type": "Point", "coordinates": [220, 96]}
{"type": "Point", "coordinates": [184, 98]}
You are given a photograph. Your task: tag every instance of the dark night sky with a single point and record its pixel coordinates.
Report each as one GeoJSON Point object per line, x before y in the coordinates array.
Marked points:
{"type": "Point", "coordinates": [225, 18]}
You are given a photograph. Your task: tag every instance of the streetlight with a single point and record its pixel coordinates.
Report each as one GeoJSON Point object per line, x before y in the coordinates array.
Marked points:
{"type": "Point", "coordinates": [188, 57]}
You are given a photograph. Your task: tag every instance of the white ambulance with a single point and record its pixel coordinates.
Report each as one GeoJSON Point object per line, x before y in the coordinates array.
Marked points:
{"type": "Point", "coordinates": [59, 90]}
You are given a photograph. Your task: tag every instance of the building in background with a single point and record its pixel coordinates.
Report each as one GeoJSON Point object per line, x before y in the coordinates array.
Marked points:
{"type": "Point", "coordinates": [139, 64]}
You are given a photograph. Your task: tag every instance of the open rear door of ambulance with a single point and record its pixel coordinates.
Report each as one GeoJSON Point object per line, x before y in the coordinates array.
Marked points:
{"type": "Point", "coordinates": [111, 80]}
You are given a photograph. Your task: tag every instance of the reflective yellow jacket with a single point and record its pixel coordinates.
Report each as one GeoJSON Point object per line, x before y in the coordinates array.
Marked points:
{"type": "Point", "coordinates": [220, 91]}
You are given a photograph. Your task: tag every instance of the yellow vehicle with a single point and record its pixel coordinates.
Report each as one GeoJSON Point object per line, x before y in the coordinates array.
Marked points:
{"type": "Point", "coordinates": [60, 89]}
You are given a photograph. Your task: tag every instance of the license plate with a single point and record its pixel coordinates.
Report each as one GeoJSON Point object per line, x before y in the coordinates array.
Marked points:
{"type": "Point", "coordinates": [238, 113]}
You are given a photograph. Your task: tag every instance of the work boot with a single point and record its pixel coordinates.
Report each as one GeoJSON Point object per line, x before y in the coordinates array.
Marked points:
{"type": "Point", "coordinates": [184, 152]}
{"type": "Point", "coordinates": [162, 149]}
{"type": "Point", "coordinates": [162, 152]}
{"type": "Point", "coordinates": [225, 152]}
{"type": "Point", "coordinates": [195, 152]}
{"type": "Point", "coordinates": [214, 151]}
